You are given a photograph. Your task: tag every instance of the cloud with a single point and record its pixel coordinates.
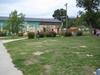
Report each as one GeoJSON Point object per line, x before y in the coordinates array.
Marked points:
{"type": "Point", "coordinates": [38, 8]}
{"type": "Point", "coordinates": [9, 1]}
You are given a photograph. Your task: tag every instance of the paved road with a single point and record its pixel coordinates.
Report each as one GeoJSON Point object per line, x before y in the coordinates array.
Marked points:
{"type": "Point", "coordinates": [6, 65]}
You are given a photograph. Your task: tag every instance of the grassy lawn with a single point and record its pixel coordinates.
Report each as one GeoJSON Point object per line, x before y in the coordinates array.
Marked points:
{"type": "Point", "coordinates": [56, 56]}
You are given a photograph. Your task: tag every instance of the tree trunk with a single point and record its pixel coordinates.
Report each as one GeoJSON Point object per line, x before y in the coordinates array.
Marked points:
{"type": "Point", "coordinates": [91, 29]}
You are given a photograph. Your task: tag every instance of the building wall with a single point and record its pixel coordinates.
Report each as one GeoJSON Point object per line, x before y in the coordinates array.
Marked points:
{"type": "Point", "coordinates": [1, 25]}
{"type": "Point", "coordinates": [32, 26]}
{"type": "Point", "coordinates": [50, 27]}
{"type": "Point", "coordinates": [36, 26]}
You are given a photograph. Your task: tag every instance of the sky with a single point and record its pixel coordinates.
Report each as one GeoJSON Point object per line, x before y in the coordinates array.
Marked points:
{"type": "Point", "coordinates": [38, 8]}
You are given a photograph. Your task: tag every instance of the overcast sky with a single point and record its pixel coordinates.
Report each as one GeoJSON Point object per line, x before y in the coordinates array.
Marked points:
{"type": "Point", "coordinates": [37, 8]}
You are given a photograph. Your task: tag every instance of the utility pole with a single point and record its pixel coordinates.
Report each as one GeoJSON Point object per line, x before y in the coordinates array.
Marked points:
{"type": "Point", "coordinates": [66, 16]}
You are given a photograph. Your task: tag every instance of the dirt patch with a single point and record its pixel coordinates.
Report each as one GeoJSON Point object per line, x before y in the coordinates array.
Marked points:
{"type": "Point", "coordinates": [23, 53]}
{"type": "Point", "coordinates": [45, 41]}
{"type": "Point", "coordinates": [31, 61]}
{"type": "Point", "coordinates": [89, 55]}
{"type": "Point", "coordinates": [47, 69]}
{"type": "Point", "coordinates": [39, 46]}
{"type": "Point", "coordinates": [88, 70]}
{"type": "Point", "coordinates": [34, 58]}
{"type": "Point", "coordinates": [34, 44]}
{"type": "Point", "coordinates": [53, 40]}
{"type": "Point", "coordinates": [74, 47]}
{"type": "Point", "coordinates": [83, 46]}
{"type": "Point", "coordinates": [38, 53]}
{"type": "Point", "coordinates": [76, 52]}
{"type": "Point", "coordinates": [49, 40]}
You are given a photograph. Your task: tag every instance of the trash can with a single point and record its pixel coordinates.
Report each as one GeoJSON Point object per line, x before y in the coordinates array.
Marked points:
{"type": "Point", "coordinates": [98, 71]}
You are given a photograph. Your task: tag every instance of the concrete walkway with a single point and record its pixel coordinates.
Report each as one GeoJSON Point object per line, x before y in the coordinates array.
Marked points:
{"type": "Point", "coordinates": [6, 65]}
{"type": "Point", "coordinates": [11, 40]}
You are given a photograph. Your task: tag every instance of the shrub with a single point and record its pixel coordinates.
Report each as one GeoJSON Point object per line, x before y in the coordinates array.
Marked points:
{"type": "Point", "coordinates": [50, 34]}
{"type": "Point", "coordinates": [31, 35]}
{"type": "Point", "coordinates": [2, 34]}
{"type": "Point", "coordinates": [79, 33]}
{"type": "Point", "coordinates": [53, 34]}
{"type": "Point", "coordinates": [40, 34]}
{"type": "Point", "coordinates": [20, 34]}
{"type": "Point", "coordinates": [67, 34]}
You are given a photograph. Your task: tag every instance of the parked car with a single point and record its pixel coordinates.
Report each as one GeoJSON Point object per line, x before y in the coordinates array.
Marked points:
{"type": "Point", "coordinates": [98, 32]}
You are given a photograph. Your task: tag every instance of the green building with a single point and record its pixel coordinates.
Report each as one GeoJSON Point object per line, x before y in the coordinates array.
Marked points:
{"type": "Point", "coordinates": [34, 24]}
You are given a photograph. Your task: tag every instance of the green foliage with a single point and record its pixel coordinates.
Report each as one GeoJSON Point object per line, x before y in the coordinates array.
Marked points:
{"type": "Point", "coordinates": [71, 22]}
{"type": "Point", "coordinates": [79, 33]}
{"type": "Point", "coordinates": [88, 5]}
{"type": "Point", "coordinates": [15, 22]}
{"type": "Point", "coordinates": [97, 19]}
{"type": "Point", "coordinates": [2, 34]}
{"type": "Point", "coordinates": [91, 7]}
{"type": "Point", "coordinates": [41, 34]}
{"type": "Point", "coordinates": [67, 33]}
{"type": "Point", "coordinates": [80, 21]}
{"type": "Point", "coordinates": [50, 34]}
{"type": "Point", "coordinates": [92, 19]}
{"type": "Point", "coordinates": [46, 34]}
{"type": "Point", "coordinates": [59, 14]}
{"type": "Point", "coordinates": [31, 35]}
{"type": "Point", "coordinates": [20, 34]}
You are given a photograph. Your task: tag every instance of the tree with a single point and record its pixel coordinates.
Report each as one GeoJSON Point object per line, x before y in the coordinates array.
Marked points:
{"type": "Point", "coordinates": [88, 5]}
{"type": "Point", "coordinates": [97, 16]}
{"type": "Point", "coordinates": [60, 14]}
{"type": "Point", "coordinates": [80, 21]}
{"type": "Point", "coordinates": [91, 8]}
{"type": "Point", "coordinates": [15, 22]}
{"type": "Point", "coordinates": [71, 22]}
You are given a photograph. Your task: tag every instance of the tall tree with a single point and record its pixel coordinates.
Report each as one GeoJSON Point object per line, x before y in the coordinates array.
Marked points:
{"type": "Point", "coordinates": [91, 7]}
{"type": "Point", "coordinates": [97, 19]}
{"type": "Point", "coordinates": [88, 5]}
{"type": "Point", "coordinates": [15, 22]}
{"type": "Point", "coordinates": [60, 14]}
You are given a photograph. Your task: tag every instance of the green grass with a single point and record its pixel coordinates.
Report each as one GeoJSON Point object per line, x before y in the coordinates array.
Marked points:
{"type": "Point", "coordinates": [62, 56]}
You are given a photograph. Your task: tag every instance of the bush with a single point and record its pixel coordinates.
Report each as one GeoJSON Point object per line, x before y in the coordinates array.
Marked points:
{"type": "Point", "coordinates": [50, 34]}
{"type": "Point", "coordinates": [20, 34]}
{"type": "Point", "coordinates": [53, 34]}
{"type": "Point", "coordinates": [79, 33]}
{"type": "Point", "coordinates": [41, 34]}
{"type": "Point", "coordinates": [2, 34]}
{"type": "Point", "coordinates": [67, 34]}
{"type": "Point", "coordinates": [31, 35]}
